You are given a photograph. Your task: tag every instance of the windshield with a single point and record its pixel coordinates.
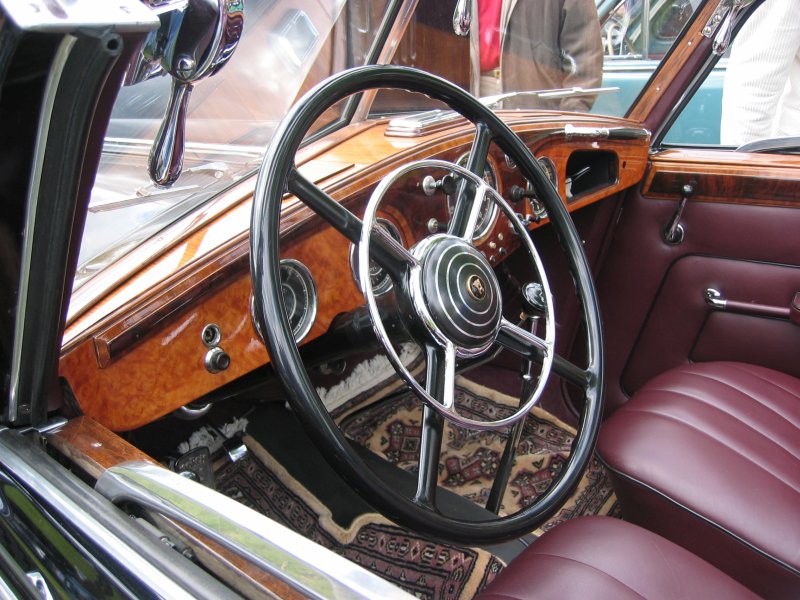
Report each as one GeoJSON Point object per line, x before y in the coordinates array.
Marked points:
{"type": "Point", "coordinates": [572, 55]}
{"type": "Point", "coordinates": [284, 49]}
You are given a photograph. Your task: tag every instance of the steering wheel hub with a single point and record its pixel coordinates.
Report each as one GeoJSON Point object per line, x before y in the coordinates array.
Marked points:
{"type": "Point", "coordinates": [461, 292]}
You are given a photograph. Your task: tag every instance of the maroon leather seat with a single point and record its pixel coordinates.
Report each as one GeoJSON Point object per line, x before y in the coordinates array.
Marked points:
{"type": "Point", "coordinates": [601, 557]}
{"type": "Point", "coordinates": [708, 456]}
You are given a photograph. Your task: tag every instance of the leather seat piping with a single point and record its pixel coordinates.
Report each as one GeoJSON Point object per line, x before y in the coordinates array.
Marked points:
{"type": "Point", "coordinates": [694, 513]}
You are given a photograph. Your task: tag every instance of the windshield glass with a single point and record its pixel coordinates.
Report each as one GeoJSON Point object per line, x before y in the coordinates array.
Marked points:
{"type": "Point", "coordinates": [285, 48]}
{"type": "Point", "coordinates": [572, 55]}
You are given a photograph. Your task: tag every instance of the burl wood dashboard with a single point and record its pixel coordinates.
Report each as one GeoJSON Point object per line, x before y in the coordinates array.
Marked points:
{"type": "Point", "coordinates": [135, 350]}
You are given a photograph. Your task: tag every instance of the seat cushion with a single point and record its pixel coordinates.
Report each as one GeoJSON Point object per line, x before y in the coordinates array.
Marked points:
{"type": "Point", "coordinates": [601, 557]}
{"type": "Point", "coordinates": [708, 455]}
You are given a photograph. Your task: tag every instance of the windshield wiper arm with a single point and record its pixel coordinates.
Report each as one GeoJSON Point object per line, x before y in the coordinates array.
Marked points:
{"type": "Point", "coordinates": [491, 101]}
{"type": "Point", "coordinates": [431, 121]}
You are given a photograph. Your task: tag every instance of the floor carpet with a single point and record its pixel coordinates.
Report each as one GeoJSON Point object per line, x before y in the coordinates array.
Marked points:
{"type": "Point", "coordinates": [470, 458]}
{"type": "Point", "coordinates": [390, 427]}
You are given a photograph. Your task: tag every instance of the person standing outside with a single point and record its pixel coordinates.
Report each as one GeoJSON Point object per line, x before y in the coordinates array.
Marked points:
{"type": "Point", "coordinates": [521, 45]}
{"type": "Point", "coordinates": [761, 92]}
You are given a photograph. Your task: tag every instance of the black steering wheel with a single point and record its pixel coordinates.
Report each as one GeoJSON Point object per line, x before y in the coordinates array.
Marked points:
{"type": "Point", "coordinates": [452, 296]}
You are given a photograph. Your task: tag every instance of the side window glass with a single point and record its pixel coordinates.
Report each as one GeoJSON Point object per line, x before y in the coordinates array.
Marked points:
{"type": "Point", "coordinates": [636, 36]}
{"type": "Point", "coordinates": [699, 121]}
{"type": "Point", "coordinates": [751, 98]}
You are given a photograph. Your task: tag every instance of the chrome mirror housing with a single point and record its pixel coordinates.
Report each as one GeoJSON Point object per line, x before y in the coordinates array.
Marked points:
{"type": "Point", "coordinates": [195, 40]}
{"type": "Point", "coordinates": [462, 17]}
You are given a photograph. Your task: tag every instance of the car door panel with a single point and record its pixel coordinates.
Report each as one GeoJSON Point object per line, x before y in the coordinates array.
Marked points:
{"type": "Point", "coordinates": [741, 235]}
{"type": "Point", "coordinates": [682, 324]}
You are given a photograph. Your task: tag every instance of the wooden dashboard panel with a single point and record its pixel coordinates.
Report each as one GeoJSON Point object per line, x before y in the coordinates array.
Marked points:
{"type": "Point", "coordinates": [725, 177]}
{"type": "Point", "coordinates": [138, 354]}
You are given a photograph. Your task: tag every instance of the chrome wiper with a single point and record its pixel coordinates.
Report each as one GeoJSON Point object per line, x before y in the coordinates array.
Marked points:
{"type": "Point", "coordinates": [431, 121]}
{"type": "Point", "coordinates": [195, 178]}
{"type": "Point", "coordinates": [493, 101]}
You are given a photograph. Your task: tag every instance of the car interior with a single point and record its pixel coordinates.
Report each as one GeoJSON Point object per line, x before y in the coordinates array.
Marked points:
{"type": "Point", "coordinates": [419, 342]}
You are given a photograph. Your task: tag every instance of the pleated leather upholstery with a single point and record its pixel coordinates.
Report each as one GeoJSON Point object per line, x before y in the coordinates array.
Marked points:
{"type": "Point", "coordinates": [601, 557]}
{"type": "Point", "coordinates": [708, 455]}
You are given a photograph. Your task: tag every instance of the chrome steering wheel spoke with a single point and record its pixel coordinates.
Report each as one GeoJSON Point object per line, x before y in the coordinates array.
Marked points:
{"type": "Point", "coordinates": [475, 206]}
{"type": "Point", "coordinates": [520, 341]}
{"type": "Point", "coordinates": [531, 347]}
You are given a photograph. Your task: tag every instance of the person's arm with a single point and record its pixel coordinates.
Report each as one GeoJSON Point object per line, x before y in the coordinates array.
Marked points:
{"type": "Point", "coordinates": [761, 58]}
{"type": "Point", "coordinates": [582, 48]}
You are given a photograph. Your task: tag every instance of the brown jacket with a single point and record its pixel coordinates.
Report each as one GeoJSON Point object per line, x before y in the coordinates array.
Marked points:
{"type": "Point", "coordinates": [546, 44]}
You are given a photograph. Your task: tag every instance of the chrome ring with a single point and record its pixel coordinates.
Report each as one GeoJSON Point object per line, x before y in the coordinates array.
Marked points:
{"type": "Point", "coordinates": [417, 297]}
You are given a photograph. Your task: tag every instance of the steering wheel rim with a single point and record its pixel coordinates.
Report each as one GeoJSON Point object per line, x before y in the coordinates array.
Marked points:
{"type": "Point", "coordinates": [278, 174]}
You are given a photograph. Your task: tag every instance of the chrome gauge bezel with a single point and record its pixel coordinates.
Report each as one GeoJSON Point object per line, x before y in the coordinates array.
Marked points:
{"type": "Point", "coordinates": [549, 168]}
{"type": "Point", "coordinates": [385, 283]}
{"type": "Point", "coordinates": [303, 326]}
{"type": "Point", "coordinates": [485, 223]}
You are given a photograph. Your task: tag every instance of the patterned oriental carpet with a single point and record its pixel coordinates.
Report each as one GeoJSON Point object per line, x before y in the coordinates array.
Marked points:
{"type": "Point", "coordinates": [391, 427]}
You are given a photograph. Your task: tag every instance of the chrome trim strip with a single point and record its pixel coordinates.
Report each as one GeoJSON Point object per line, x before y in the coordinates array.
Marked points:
{"type": "Point", "coordinates": [152, 564]}
{"type": "Point", "coordinates": [5, 591]}
{"type": "Point", "coordinates": [301, 563]}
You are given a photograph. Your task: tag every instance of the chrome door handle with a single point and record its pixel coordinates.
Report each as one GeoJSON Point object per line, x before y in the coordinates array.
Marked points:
{"type": "Point", "coordinates": [717, 301]}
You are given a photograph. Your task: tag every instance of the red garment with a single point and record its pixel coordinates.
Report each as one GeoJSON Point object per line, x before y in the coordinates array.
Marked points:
{"type": "Point", "coordinates": [489, 30]}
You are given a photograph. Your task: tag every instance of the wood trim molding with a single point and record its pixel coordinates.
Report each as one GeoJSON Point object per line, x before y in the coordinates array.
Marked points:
{"type": "Point", "coordinates": [673, 64]}
{"type": "Point", "coordinates": [725, 177]}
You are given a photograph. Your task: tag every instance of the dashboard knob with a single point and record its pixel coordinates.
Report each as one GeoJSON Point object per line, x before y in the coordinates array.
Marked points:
{"type": "Point", "coordinates": [217, 360]}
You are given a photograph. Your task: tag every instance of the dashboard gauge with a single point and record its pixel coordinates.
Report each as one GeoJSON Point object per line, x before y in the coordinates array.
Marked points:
{"type": "Point", "coordinates": [488, 213]}
{"type": "Point", "coordinates": [381, 282]}
{"type": "Point", "coordinates": [299, 296]}
{"type": "Point", "coordinates": [550, 170]}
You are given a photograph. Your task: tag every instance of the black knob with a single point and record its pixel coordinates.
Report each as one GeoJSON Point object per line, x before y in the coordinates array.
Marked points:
{"type": "Point", "coordinates": [533, 298]}
{"type": "Point", "coordinates": [518, 194]}
{"type": "Point", "coordinates": [217, 360]}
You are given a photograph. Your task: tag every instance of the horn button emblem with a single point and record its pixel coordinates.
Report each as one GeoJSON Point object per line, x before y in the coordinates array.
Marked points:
{"type": "Point", "coordinates": [460, 293]}
{"type": "Point", "coordinates": [476, 288]}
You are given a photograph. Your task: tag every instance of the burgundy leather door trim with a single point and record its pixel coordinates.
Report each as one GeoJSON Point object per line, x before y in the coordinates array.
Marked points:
{"type": "Point", "coordinates": [742, 338]}
{"type": "Point", "coordinates": [639, 259]}
{"type": "Point", "coordinates": [676, 321]}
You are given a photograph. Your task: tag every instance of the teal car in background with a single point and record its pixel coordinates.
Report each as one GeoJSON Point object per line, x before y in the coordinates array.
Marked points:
{"type": "Point", "coordinates": [633, 52]}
